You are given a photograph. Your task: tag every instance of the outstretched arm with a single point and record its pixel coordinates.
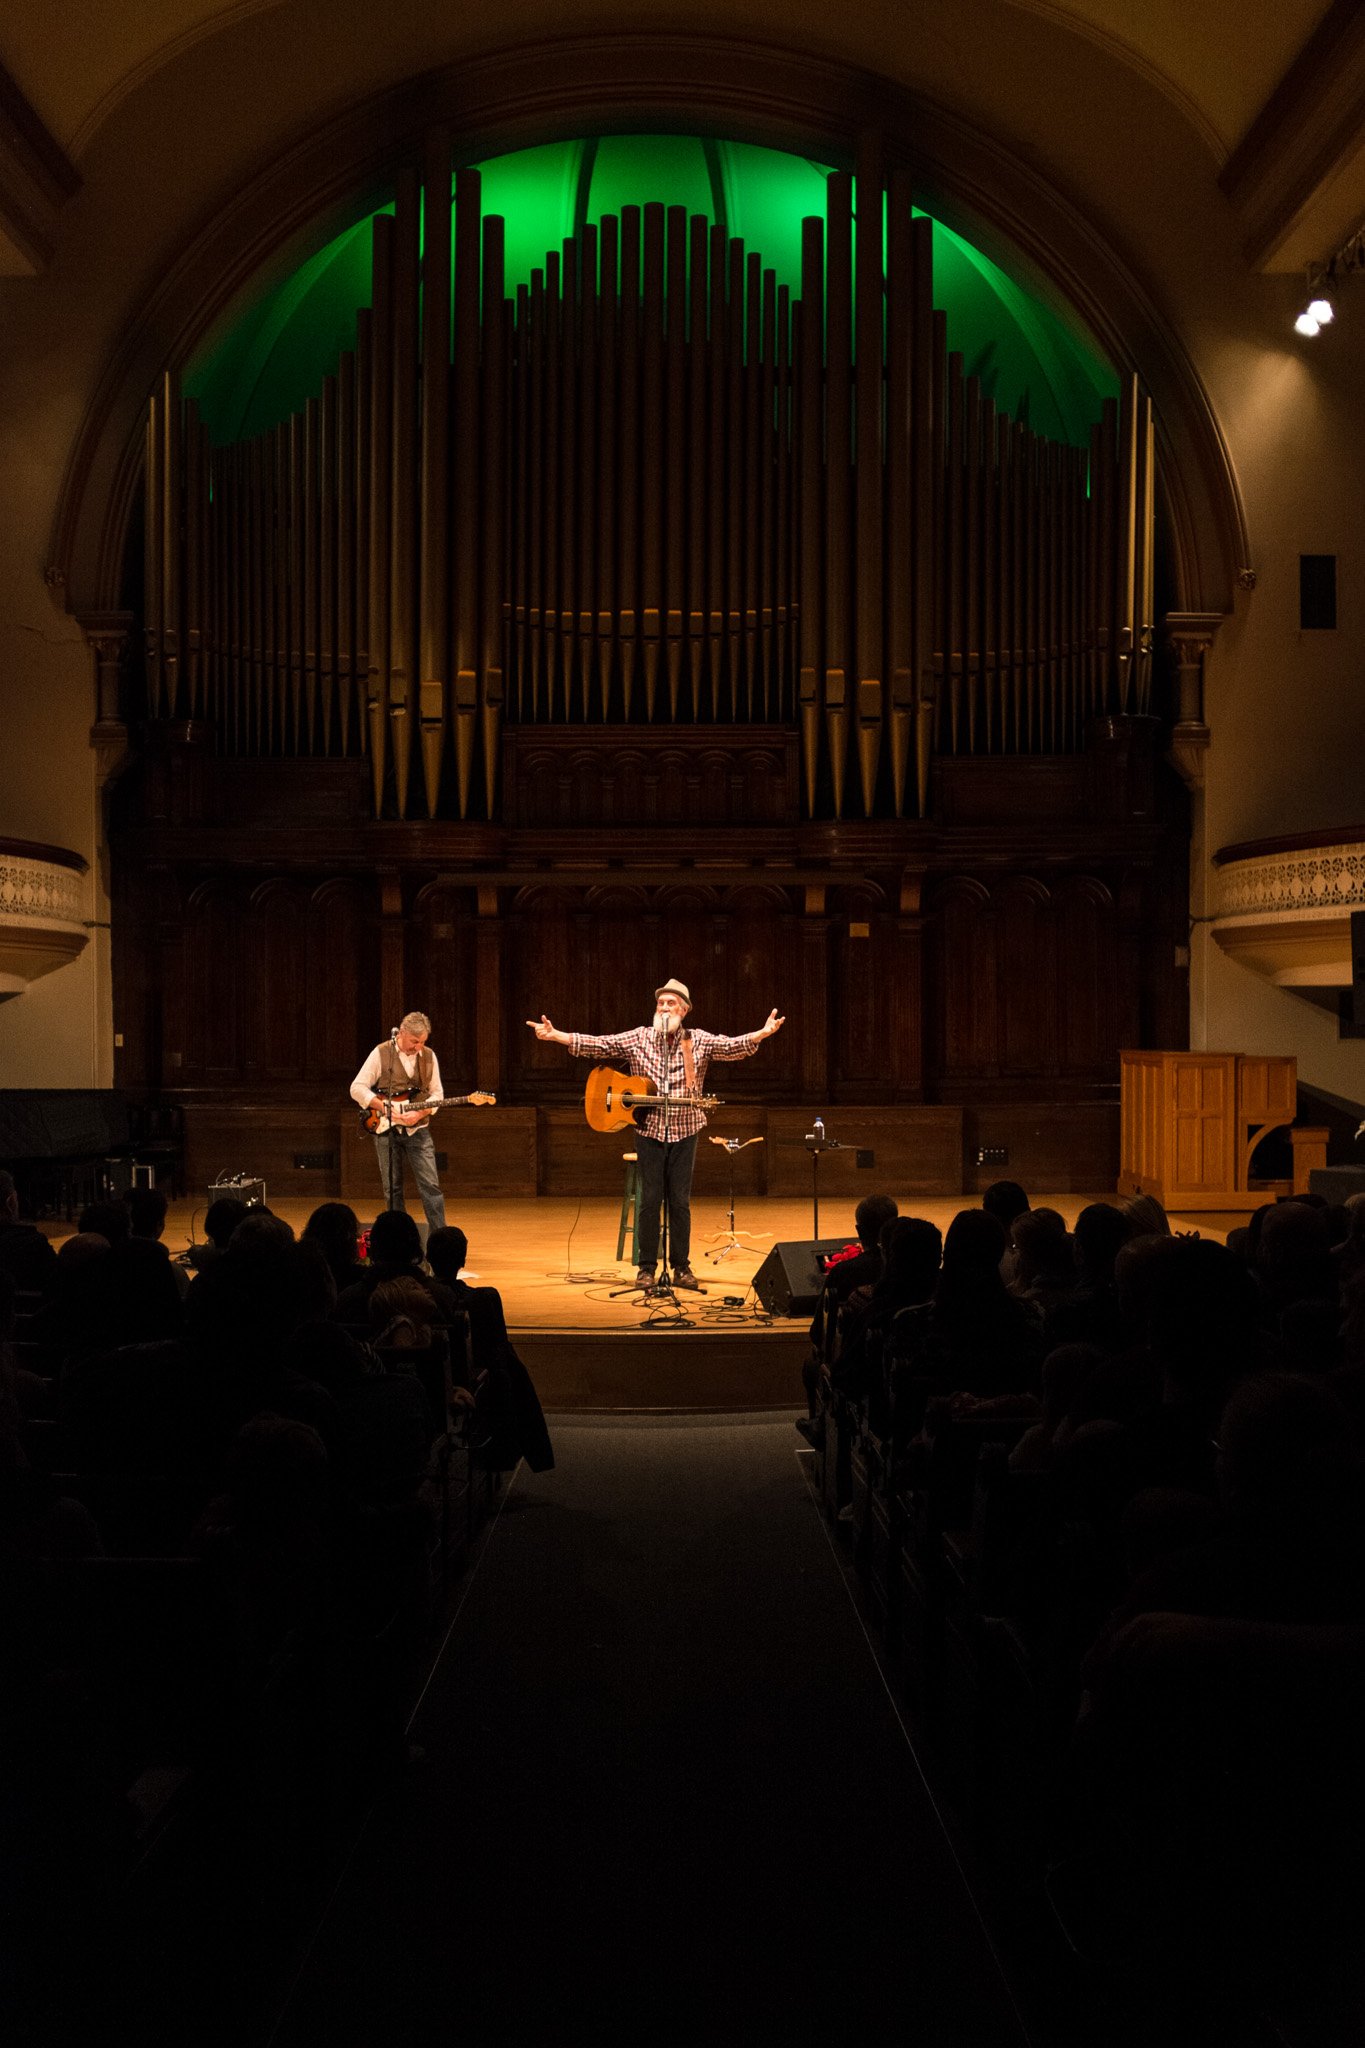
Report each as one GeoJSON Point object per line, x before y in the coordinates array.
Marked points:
{"type": "Point", "coordinates": [585, 1045]}
{"type": "Point", "coordinates": [545, 1030]}
{"type": "Point", "coordinates": [721, 1048]}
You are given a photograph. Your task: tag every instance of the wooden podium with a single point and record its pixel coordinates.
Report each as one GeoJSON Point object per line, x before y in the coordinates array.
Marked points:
{"type": "Point", "coordinates": [1190, 1121]}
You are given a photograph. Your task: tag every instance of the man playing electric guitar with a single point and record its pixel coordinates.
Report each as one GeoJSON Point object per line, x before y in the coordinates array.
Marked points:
{"type": "Point", "coordinates": [405, 1066]}
{"type": "Point", "coordinates": [675, 1059]}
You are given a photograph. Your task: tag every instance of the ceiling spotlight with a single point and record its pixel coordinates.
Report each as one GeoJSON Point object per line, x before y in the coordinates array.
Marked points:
{"type": "Point", "coordinates": [1306, 324]}
{"type": "Point", "coordinates": [1321, 310]}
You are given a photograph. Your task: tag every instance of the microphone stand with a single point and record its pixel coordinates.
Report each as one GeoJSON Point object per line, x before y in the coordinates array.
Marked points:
{"type": "Point", "coordinates": [816, 1143]}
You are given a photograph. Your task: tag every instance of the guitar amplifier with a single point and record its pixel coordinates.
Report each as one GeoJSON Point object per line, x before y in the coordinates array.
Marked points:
{"type": "Point", "coordinates": [240, 1188]}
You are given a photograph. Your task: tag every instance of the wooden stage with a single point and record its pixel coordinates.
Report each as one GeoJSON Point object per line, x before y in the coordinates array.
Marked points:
{"type": "Point", "coordinates": [591, 1347]}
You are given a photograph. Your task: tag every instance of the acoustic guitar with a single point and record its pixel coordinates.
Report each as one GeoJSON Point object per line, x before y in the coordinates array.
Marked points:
{"type": "Point", "coordinates": [610, 1100]}
{"type": "Point", "coordinates": [376, 1119]}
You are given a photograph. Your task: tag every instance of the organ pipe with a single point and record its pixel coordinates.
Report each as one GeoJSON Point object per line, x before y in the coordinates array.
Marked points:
{"type": "Point", "coordinates": [654, 485]}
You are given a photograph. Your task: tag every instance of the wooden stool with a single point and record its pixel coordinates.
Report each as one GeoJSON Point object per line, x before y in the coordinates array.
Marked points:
{"type": "Point", "coordinates": [630, 1210]}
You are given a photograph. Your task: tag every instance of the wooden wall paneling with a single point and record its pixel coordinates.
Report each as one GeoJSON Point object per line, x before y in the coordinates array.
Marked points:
{"type": "Point", "coordinates": [240, 1132]}
{"type": "Point", "coordinates": [433, 635]}
{"type": "Point", "coordinates": [1027, 975]}
{"type": "Point", "coordinates": [813, 1018]}
{"type": "Point", "coordinates": [170, 508]}
{"type": "Point", "coordinates": [544, 974]}
{"type": "Point", "coordinates": [203, 1035]}
{"type": "Point", "coordinates": [491, 1024]}
{"type": "Point", "coordinates": [916, 1148]}
{"type": "Point", "coordinates": [859, 979]}
{"type": "Point", "coordinates": [905, 1052]}
{"type": "Point", "coordinates": [486, 1152]}
{"type": "Point", "coordinates": [762, 942]}
{"type": "Point", "coordinates": [1050, 1147]}
{"type": "Point", "coordinates": [341, 979]}
{"type": "Point", "coordinates": [274, 985]}
{"type": "Point", "coordinates": [192, 597]}
{"type": "Point", "coordinates": [440, 978]}
{"type": "Point", "coordinates": [1089, 968]}
{"type": "Point", "coordinates": [964, 979]}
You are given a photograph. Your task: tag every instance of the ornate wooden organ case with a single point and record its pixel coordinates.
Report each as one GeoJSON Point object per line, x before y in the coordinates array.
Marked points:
{"type": "Point", "coordinates": [653, 621]}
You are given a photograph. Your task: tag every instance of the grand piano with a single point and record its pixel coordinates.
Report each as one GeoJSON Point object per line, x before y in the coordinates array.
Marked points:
{"type": "Point", "coordinates": [67, 1146]}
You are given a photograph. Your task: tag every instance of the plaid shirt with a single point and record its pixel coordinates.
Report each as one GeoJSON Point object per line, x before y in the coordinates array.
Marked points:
{"type": "Point", "coordinates": [651, 1052]}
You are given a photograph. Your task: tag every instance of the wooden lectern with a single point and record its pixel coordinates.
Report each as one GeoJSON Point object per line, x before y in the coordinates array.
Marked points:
{"type": "Point", "coordinates": [1190, 1121]}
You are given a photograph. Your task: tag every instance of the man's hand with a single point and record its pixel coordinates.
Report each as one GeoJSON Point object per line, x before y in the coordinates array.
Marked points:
{"type": "Point", "coordinates": [546, 1030]}
{"type": "Point", "coordinates": [408, 1117]}
{"type": "Point", "coordinates": [774, 1023]}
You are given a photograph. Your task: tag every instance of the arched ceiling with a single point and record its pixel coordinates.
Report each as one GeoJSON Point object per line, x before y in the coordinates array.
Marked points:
{"type": "Point", "coordinates": [1272, 92]}
{"type": "Point", "coordinates": [1219, 59]}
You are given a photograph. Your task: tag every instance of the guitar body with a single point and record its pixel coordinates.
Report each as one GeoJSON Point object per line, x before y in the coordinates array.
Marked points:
{"type": "Point", "coordinates": [375, 1118]}
{"type": "Point", "coordinates": [603, 1103]}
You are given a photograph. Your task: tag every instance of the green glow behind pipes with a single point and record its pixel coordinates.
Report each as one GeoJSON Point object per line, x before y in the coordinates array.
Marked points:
{"type": "Point", "coordinates": [276, 346]}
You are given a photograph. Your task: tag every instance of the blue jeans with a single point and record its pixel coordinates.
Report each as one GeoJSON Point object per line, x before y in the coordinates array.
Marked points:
{"type": "Point", "coordinates": [666, 1174]}
{"type": "Point", "coordinates": [420, 1154]}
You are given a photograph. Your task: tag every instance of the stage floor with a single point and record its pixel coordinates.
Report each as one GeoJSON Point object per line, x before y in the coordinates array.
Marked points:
{"type": "Point", "coordinates": [593, 1346]}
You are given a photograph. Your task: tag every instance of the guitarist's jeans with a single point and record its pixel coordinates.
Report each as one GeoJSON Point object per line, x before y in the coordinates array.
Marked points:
{"type": "Point", "coordinates": [420, 1154]}
{"type": "Point", "coordinates": [666, 1169]}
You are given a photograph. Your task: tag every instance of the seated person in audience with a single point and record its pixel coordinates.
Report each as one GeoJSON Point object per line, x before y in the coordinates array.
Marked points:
{"type": "Point", "coordinates": [220, 1220]}
{"type": "Point", "coordinates": [1293, 1258]}
{"type": "Point", "coordinates": [140, 1301]}
{"type": "Point", "coordinates": [25, 1253]}
{"type": "Point", "coordinates": [242, 1317]}
{"type": "Point", "coordinates": [147, 1224]}
{"type": "Point", "coordinates": [378, 1431]}
{"type": "Point", "coordinates": [334, 1230]}
{"type": "Point", "coordinates": [1091, 1315]}
{"type": "Point", "coordinates": [1146, 1216]}
{"type": "Point", "coordinates": [973, 1337]}
{"type": "Point", "coordinates": [395, 1253]}
{"type": "Point", "coordinates": [1064, 1375]}
{"type": "Point", "coordinates": [1044, 1262]}
{"type": "Point", "coordinates": [842, 1277]}
{"type": "Point", "coordinates": [37, 1520]}
{"type": "Point", "coordinates": [1006, 1200]}
{"type": "Point", "coordinates": [509, 1406]}
{"type": "Point", "coordinates": [911, 1248]}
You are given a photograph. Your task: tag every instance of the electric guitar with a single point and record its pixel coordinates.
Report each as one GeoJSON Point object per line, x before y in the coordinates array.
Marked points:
{"type": "Point", "coordinates": [611, 1100]}
{"type": "Point", "coordinates": [376, 1117]}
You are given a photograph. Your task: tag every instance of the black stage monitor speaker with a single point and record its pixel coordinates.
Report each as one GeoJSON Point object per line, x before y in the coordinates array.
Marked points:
{"type": "Point", "coordinates": [789, 1281]}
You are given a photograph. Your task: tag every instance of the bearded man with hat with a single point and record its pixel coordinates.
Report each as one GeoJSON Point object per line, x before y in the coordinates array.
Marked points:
{"type": "Point", "coordinates": [675, 1058]}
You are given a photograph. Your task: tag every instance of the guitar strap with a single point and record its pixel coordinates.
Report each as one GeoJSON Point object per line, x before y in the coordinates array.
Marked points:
{"type": "Point", "coordinates": [689, 1064]}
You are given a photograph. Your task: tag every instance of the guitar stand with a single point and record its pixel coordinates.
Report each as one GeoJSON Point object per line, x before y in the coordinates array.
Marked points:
{"type": "Point", "coordinates": [730, 1240]}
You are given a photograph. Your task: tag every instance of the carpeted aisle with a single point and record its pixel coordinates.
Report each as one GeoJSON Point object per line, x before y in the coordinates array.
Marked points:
{"type": "Point", "coordinates": [666, 1797]}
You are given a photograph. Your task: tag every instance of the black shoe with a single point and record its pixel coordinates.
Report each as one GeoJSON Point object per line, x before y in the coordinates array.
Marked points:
{"type": "Point", "coordinates": [684, 1277]}
{"type": "Point", "coordinates": [645, 1278]}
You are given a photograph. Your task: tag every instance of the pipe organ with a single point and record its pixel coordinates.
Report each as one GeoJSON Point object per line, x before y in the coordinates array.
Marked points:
{"type": "Point", "coordinates": [651, 487]}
